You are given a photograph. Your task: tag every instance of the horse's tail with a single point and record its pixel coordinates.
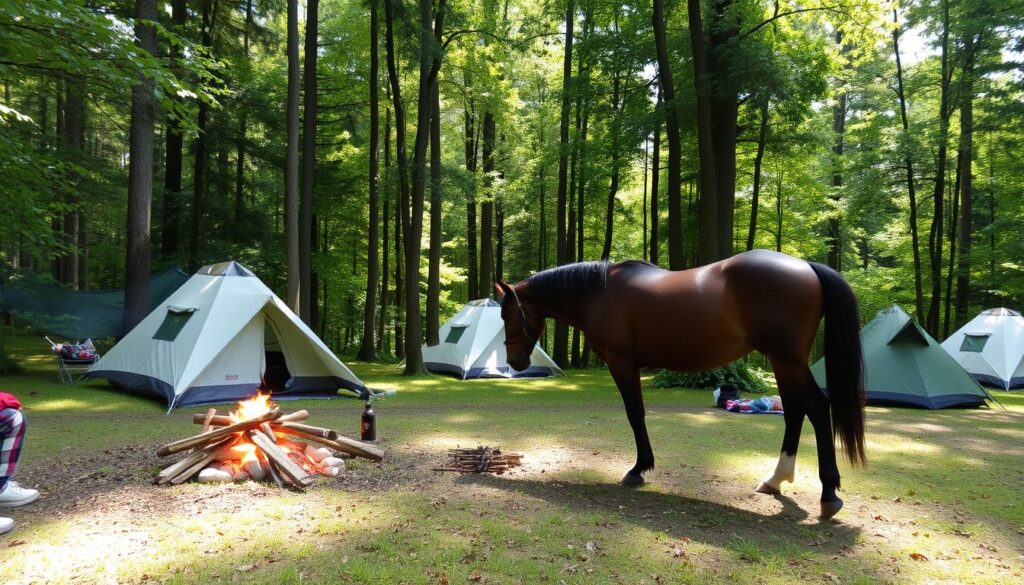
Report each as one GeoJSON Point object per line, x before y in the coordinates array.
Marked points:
{"type": "Point", "coordinates": [843, 363]}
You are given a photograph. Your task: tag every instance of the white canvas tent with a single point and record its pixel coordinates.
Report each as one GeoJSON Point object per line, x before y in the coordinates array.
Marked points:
{"type": "Point", "coordinates": [473, 346]}
{"type": "Point", "coordinates": [216, 339]}
{"type": "Point", "coordinates": [991, 348]}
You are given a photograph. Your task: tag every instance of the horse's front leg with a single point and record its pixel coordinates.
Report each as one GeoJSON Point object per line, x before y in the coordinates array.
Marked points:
{"type": "Point", "coordinates": [627, 378]}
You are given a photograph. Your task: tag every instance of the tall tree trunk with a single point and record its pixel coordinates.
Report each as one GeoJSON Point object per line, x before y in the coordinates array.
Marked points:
{"type": "Point", "coordinates": [308, 163]}
{"type": "Point", "coordinates": [140, 176]}
{"type": "Point", "coordinates": [173, 152]}
{"type": "Point", "coordinates": [399, 290]}
{"type": "Point", "coordinates": [575, 356]}
{"type": "Point", "coordinates": [469, 123]}
{"type": "Point", "coordinates": [382, 337]}
{"type": "Point", "coordinates": [434, 256]}
{"type": "Point", "coordinates": [937, 231]}
{"type": "Point", "coordinates": [561, 339]}
{"type": "Point", "coordinates": [199, 164]}
{"type": "Point", "coordinates": [778, 212]}
{"type": "Point", "coordinates": [951, 269]}
{"type": "Point", "coordinates": [429, 65]}
{"type": "Point", "coordinates": [963, 276]}
{"type": "Point", "coordinates": [833, 238]}
{"type": "Point", "coordinates": [402, 197]}
{"type": "Point", "coordinates": [581, 183]}
{"type": "Point", "coordinates": [613, 187]}
{"type": "Point", "coordinates": [291, 168]}
{"type": "Point", "coordinates": [676, 258]}
{"type": "Point", "coordinates": [908, 163]}
{"type": "Point", "coordinates": [243, 123]}
{"type": "Point", "coordinates": [542, 239]}
{"type": "Point", "coordinates": [499, 241]}
{"type": "Point", "coordinates": [486, 274]}
{"type": "Point", "coordinates": [647, 168]}
{"type": "Point", "coordinates": [74, 128]}
{"type": "Point", "coordinates": [709, 238]}
{"type": "Point", "coordinates": [655, 181]}
{"type": "Point", "coordinates": [367, 349]}
{"type": "Point", "coordinates": [762, 136]}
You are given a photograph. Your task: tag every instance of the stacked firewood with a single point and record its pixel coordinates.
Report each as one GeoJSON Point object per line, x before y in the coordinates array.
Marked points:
{"type": "Point", "coordinates": [273, 444]}
{"type": "Point", "coordinates": [481, 460]}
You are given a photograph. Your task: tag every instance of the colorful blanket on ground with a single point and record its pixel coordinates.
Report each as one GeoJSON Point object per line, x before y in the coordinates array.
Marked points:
{"type": "Point", "coordinates": [763, 405]}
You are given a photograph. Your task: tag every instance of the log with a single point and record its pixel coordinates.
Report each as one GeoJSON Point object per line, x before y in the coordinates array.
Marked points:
{"type": "Point", "coordinates": [276, 456]}
{"type": "Point", "coordinates": [216, 434]}
{"type": "Point", "coordinates": [223, 420]}
{"type": "Point", "coordinates": [175, 468]}
{"type": "Point", "coordinates": [211, 454]}
{"type": "Point", "coordinates": [307, 430]}
{"type": "Point", "coordinates": [343, 444]}
{"type": "Point", "coordinates": [275, 475]}
{"type": "Point", "coordinates": [209, 417]}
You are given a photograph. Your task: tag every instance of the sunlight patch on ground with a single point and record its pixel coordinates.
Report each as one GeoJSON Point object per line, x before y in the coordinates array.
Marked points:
{"type": "Point", "coordinates": [895, 444]}
{"type": "Point", "coordinates": [463, 418]}
{"type": "Point", "coordinates": [211, 525]}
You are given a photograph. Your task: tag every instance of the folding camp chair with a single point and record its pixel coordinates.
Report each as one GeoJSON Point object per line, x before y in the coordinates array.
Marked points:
{"type": "Point", "coordinates": [73, 360]}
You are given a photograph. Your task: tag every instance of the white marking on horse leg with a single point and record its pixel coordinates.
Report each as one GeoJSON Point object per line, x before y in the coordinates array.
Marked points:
{"type": "Point", "coordinates": [785, 470]}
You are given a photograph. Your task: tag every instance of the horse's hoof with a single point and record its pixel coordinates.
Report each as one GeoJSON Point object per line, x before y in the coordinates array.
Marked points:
{"type": "Point", "coordinates": [631, 480]}
{"type": "Point", "coordinates": [830, 509]}
{"type": "Point", "coordinates": [764, 488]}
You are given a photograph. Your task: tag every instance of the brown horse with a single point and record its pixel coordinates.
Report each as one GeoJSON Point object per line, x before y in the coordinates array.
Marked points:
{"type": "Point", "coordinates": [637, 315]}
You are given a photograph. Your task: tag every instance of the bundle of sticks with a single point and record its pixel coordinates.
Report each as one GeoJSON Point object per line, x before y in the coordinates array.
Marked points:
{"type": "Point", "coordinates": [481, 460]}
{"type": "Point", "coordinates": [272, 437]}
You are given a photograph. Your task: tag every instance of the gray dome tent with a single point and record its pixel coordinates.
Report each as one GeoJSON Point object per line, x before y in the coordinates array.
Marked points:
{"type": "Point", "coordinates": [904, 366]}
{"type": "Point", "coordinates": [216, 339]}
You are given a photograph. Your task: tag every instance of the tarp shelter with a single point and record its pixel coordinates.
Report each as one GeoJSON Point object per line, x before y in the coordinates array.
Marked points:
{"type": "Point", "coordinates": [904, 366]}
{"type": "Point", "coordinates": [216, 339]}
{"type": "Point", "coordinates": [991, 348]}
{"type": "Point", "coordinates": [473, 346]}
{"type": "Point", "coordinates": [80, 314]}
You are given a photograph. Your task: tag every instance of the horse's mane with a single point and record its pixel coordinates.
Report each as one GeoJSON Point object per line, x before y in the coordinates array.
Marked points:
{"type": "Point", "coordinates": [578, 278]}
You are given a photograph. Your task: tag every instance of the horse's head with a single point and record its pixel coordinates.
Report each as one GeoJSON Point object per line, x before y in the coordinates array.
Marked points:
{"type": "Point", "coordinates": [522, 326]}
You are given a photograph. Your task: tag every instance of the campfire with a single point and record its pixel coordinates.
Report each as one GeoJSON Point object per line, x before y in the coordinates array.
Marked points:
{"type": "Point", "coordinates": [257, 441]}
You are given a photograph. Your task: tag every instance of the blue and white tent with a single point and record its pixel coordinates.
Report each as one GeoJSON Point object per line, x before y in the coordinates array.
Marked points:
{"type": "Point", "coordinates": [991, 348]}
{"type": "Point", "coordinates": [216, 339]}
{"type": "Point", "coordinates": [473, 346]}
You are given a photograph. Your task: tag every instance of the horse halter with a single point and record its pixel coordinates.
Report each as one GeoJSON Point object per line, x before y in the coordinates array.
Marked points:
{"type": "Point", "coordinates": [524, 324]}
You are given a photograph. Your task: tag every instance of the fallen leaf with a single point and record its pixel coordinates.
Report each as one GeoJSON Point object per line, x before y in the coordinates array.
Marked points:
{"type": "Point", "coordinates": [443, 580]}
{"type": "Point", "coordinates": [18, 542]}
{"type": "Point", "coordinates": [475, 576]}
{"type": "Point", "coordinates": [918, 556]}
{"type": "Point", "coordinates": [245, 568]}
{"type": "Point", "coordinates": [830, 577]}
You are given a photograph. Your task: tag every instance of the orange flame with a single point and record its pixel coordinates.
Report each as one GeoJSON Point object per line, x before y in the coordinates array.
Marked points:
{"type": "Point", "coordinates": [244, 452]}
{"type": "Point", "coordinates": [254, 407]}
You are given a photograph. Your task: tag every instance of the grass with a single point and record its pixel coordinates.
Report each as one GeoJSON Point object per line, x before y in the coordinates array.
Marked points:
{"type": "Point", "coordinates": [939, 502]}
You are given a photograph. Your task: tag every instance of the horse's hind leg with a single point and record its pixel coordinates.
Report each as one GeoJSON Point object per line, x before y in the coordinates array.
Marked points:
{"type": "Point", "coordinates": [819, 415]}
{"type": "Point", "coordinates": [627, 378]}
{"type": "Point", "coordinates": [800, 396]}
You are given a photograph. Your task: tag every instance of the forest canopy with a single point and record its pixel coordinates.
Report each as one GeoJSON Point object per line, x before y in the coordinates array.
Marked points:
{"type": "Point", "coordinates": [378, 163]}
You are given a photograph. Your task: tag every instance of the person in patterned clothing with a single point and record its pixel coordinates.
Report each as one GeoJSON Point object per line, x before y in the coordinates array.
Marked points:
{"type": "Point", "coordinates": [12, 435]}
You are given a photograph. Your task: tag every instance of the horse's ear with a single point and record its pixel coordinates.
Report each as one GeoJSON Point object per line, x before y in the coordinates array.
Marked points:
{"type": "Point", "coordinates": [502, 288]}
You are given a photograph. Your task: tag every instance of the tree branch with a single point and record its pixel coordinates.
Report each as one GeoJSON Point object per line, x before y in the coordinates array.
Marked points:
{"type": "Point", "coordinates": [779, 15]}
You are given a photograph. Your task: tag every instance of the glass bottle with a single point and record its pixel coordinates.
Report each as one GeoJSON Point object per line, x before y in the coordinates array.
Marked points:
{"type": "Point", "coordinates": [368, 424]}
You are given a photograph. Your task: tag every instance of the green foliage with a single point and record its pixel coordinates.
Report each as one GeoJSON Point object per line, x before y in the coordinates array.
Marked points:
{"type": "Point", "coordinates": [739, 373]}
